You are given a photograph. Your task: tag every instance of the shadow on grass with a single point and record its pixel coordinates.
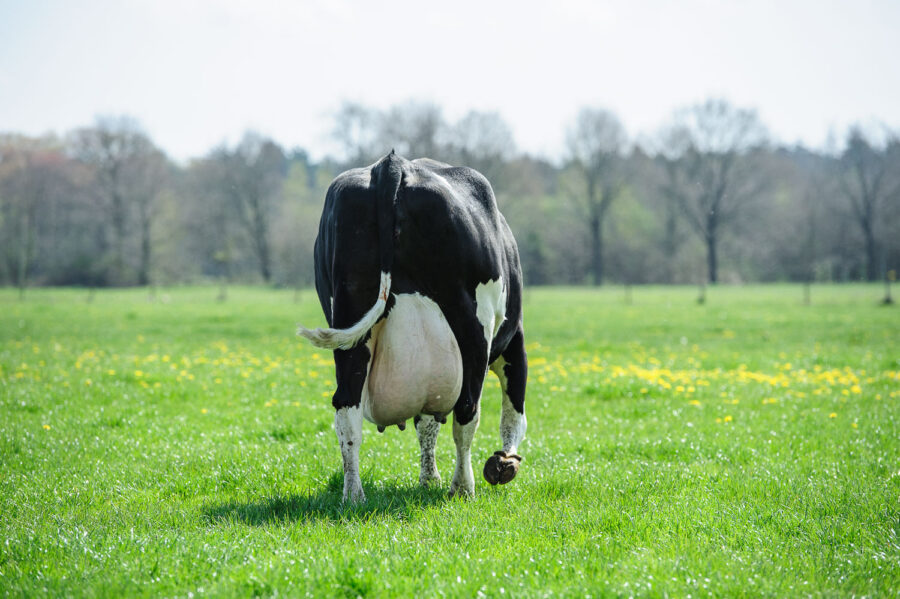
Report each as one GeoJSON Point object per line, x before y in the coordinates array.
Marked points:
{"type": "Point", "coordinates": [387, 499]}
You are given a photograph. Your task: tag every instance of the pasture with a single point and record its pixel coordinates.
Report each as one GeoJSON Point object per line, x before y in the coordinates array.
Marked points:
{"type": "Point", "coordinates": [179, 447]}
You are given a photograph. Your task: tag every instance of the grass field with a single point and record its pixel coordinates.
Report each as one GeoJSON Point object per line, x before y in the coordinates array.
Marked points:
{"type": "Point", "coordinates": [746, 447]}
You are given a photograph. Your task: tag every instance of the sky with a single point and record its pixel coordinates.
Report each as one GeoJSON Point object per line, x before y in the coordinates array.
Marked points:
{"type": "Point", "coordinates": [198, 73]}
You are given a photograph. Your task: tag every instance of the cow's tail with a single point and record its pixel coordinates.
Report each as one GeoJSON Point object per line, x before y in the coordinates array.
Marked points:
{"type": "Point", "coordinates": [387, 176]}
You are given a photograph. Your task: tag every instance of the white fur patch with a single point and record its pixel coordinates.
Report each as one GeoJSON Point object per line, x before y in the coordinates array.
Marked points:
{"type": "Point", "coordinates": [490, 307]}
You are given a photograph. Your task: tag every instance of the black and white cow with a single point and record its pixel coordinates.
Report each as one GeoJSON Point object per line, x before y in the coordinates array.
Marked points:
{"type": "Point", "coordinates": [419, 278]}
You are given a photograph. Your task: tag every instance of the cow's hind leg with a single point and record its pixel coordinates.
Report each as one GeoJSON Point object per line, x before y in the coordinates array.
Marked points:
{"type": "Point", "coordinates": [512, 370]}
{"type": "Point", "coordinates": [350, 367]}
{"type": "Point", "coordinates": [463, 483]}
{"type": "Point", "coordinates": [427, 429]}
{"type": "Point", "coordinates": [474, 349]}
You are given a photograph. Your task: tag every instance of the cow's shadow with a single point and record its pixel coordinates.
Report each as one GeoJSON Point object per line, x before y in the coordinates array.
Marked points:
{"type": "Point", "coordinates": [387, 499]}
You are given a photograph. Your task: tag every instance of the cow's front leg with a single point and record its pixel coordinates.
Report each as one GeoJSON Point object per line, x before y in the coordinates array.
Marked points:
{"type": "Point", "coordinates": [351, 367]}
{"type": "Point", "coordinates": [427, 429]}
{"type": "Point", "coordinates": [512, 370]}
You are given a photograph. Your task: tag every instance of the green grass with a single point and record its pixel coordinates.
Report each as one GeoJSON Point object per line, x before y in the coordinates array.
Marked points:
{"type": "Point", "coordinates": [746, 447]}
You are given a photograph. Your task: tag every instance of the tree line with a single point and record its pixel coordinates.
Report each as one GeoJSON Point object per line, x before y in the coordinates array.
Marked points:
{"type": "Point", "coordinates": [707, 198]}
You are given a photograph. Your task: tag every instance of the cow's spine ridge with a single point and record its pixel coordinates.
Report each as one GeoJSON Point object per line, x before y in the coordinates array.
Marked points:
{"type": "Point", "coordinates": [388, 177]}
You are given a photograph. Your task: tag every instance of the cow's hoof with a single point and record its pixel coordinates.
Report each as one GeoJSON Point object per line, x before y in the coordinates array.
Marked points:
{"type": "Point", "coordinates": [501, 467]}
{"type": "Point", "coordinates": [355, 498]}
{"type": "Point", "coordinates": [462, 485]}
{"type": "Point", "coordinates": [353, 493]}
{"type": "Point", "coordinates": [430, 480]}
{"type": "Point", "coordinates": [461, 492]}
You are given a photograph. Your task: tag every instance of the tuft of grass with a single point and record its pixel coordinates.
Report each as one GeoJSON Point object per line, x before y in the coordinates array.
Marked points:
{"type": "Point", "coordinates": [745, 447]}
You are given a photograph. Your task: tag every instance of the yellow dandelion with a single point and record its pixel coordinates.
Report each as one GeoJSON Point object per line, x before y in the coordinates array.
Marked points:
{"type": "Point", "coordinates": [833, 415]}
{"type": "Point", "coordinates": [203, 410]}
{"type": "Point", "coordinates": [856, 389]}
{"type": "Point", "coordinates": [853, 424]}
{"type": "Point", "coordinates": [719, 420]}
{"type": "Point", "coordinates": [88, 382]}
{"type": "Point", "coordinates": [138, 373]}
{"type": "Point", "coordinates": [326, 393]}
{"type": "Point", "coordinates": [695, 402]}
{"type": "Point", "coordinates": [47, 427]}
{"type": "Point", "coordinates": [728, 418]}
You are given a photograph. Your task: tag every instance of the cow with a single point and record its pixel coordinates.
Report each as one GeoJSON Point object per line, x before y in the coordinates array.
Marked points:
{"type": "Point", "coordinates": [419, 278]}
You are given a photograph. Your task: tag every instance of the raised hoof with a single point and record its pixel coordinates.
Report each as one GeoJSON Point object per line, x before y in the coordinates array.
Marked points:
{"type": "Point", "coordinates": [501, 467]}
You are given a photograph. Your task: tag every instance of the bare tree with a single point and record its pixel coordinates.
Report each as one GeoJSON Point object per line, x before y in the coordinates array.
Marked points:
{"type": "Point", "coordinates": [483, 141]}
{"type": "Point", "coordinates": [869, 180]}
{"type": "Point", "coordinates": [413, 129]}
{"type": "Point", "coordinates": [595, 143]}
{"type": "Point", "coordinates": [128, 171]}
{"type": "Point", "coordinates": [34, 176]}
{"type": "Point", "coordinates": [710, 175]}
{"type": "Point", "coordinates": [251, 177]}
{"type": "Point", "coordinates": [356, 132]}
{"type": "Point", "coordinates": [147, 174]}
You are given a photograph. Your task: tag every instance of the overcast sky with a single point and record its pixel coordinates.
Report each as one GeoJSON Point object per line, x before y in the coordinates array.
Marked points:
{"type": "Point", "coordinates": [196, 73]}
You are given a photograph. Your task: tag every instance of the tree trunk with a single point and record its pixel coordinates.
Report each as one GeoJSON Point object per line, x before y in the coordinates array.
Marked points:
{"type": "Point", "coordinates": [711, 257]}
{"type": "Point", "coordinates": [265, 265]}
{"type": "Point", "coordinates": [118, 222]}
{"type": "Point", "coordinates": [24, 251]}
{"type": "Point", "coordinates": [871, 266]}
{"type": "Point", "coordinates": [144, 269]}
{"type": "Point", "coordinates": [596, 224]}
{"type": "Point", "coordinates": [669, 244]}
